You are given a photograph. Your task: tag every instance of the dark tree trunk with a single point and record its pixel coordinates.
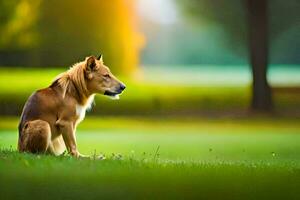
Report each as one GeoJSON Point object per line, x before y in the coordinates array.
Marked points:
{"type": "Point", "coordinates": [258, 49]}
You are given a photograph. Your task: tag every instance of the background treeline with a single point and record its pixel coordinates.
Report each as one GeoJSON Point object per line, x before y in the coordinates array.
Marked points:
{"type": "Point", "coordinates": [59, 33]}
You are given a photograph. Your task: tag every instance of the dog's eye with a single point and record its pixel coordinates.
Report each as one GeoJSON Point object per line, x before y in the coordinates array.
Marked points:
{"type": "Point", "coordinates": [106, 76]}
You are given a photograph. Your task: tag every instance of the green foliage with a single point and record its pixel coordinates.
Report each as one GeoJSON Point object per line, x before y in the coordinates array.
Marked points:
{"type": "Point", "coordinates": [60, 33]}
{"type": "Point", "coordinates": [71, 30]}
{"type": "Point", "coordinates": [228, 14]}
{"type": "Point", "coordinates": [18, 24]}
{"type": "Point", "coordinates": [231, 16]}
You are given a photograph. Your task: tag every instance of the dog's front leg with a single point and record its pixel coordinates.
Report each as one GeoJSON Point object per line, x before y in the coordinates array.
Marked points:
{"type": "Point", "coordinates": [68, 132]}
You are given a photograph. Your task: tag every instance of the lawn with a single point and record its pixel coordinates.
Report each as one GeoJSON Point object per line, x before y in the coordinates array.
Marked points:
{"type": "Point", "coordinates": [161, 149]}
{"type": "Point", "coordinates": [140, 98]}
{"type": "Point", "coordinates": [174, 95]}
{"type": "Point", "coordinates": [160, 159]}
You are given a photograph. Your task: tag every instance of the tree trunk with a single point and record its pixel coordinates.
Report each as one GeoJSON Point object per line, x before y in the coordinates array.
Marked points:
{"type": "Point", "coordinates": [258, 49]}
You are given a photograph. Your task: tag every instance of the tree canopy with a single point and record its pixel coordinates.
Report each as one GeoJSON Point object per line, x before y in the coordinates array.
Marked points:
{"type": "Point", "coordinates": [60, 33]}
{"type": "Point", "coordinates": [231, 16]}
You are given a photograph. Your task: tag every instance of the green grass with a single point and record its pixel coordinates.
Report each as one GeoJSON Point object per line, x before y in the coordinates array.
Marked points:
{"type": "Point", "coordinates": [142, 97]}
{"type": "Point", "coordinates": [27, 80]}
{"type": "Point", "coordinates": [155, 158]}
{"type": "Point", "coordinates": [161, 159]}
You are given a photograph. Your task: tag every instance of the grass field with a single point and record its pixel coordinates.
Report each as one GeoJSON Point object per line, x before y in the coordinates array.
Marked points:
{"type": "Point", "coordinates": [168, 152]}
{"type": "Point", "coordinates": [161, 159]}
{"type": "Point", "coordinates": [169, 96]}
{"type": "Point", "coordinates": [142, 98]}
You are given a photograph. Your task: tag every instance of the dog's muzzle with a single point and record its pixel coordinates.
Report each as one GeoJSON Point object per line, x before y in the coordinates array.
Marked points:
{"type": "Point", "coordinates": [109, 93]}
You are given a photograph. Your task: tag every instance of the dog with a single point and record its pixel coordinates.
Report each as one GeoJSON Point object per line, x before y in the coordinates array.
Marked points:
{"type": "Point", "coordinates": [50, 116]}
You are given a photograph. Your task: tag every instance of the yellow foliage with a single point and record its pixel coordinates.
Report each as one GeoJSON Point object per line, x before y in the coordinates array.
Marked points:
{"type": "Point", "coordinates": [79, 28]}
{"type": "Point", "coordinates": [59, 33]}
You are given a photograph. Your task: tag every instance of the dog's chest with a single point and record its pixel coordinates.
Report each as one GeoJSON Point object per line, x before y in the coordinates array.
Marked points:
{"type": "Point", "coordinates": [81, 109]}
{"type": "Point", "coordinates": [80, 112]}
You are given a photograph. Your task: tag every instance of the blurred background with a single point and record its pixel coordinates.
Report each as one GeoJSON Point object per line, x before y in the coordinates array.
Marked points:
{"type": "Point", "coordinates": [182, 58]}
{"type": "Point", "coordinates": [211, 108]}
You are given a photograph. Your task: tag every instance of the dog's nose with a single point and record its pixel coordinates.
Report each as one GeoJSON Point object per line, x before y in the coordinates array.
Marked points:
{"type": "Point", "coordinates": [122, 86]}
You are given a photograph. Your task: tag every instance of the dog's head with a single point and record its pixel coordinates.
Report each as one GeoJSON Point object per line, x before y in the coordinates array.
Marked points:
{"type": "Point", "coordinates": [100, 79]}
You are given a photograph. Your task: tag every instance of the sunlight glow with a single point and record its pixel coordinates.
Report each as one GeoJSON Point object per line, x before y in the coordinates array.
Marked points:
{"type": "Point", "coordinates": [158, 11]}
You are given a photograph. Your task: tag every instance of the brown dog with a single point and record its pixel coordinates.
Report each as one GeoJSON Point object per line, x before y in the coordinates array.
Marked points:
{"type": "Point", "coordinates": [50, 116]}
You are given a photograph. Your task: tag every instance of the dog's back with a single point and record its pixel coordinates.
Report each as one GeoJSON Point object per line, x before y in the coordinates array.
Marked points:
{"type": "Point", "coordinates": [36, 115]}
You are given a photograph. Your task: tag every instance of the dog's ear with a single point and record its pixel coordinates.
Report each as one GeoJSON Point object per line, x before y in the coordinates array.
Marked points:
{"type": "Point", "coordinates": [90, 67]}
{"type": "Point", "coordinates": [91, 63]}
{"type": "Point", "coordinates": [100, 58]}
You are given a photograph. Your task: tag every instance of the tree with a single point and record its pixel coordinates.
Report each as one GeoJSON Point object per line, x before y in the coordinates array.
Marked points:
{"type": "Point", "coordinates": [18, 24]}
{"type": "Point", "coordinates": [70, 30]}
{"type": "Point", "coordinates": [258, 48]}
{"type": "Point", "coordinates": [59, 33]}
{"type": "Point", "coordinates": [242, 19]}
